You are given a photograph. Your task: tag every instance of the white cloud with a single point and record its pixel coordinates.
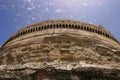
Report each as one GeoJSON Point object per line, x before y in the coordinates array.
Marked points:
{"type": "Point", "coordinates": [38, 6]}
{"type": "Point", "coordinates": [33, 18]}
{"type": "Point", "coordinates": [58, 11]}
{"type": "Point", "coordinates": [85, 4]}
{"type": "Point", "coordinates": [29, 8]}
{"type": "Point", "coordinates": [90, 22]}
{"type": "Point", "coordinates": [47, 9]}
{"type": "Point", "coordinates": [27, 1]}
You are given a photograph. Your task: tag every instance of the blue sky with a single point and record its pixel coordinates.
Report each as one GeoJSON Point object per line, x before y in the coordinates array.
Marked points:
{"type": "Point", "coordinates": [16, 14]}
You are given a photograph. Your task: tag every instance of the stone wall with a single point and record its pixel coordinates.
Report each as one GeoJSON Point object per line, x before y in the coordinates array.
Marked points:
{"type": "Point", "coordinates": [52, 44]}
{"type": "Point", "coordinates": [62, 24]}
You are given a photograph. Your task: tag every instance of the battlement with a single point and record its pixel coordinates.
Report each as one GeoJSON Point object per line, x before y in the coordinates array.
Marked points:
{"type": "Point", "coordinates": [71, 24]}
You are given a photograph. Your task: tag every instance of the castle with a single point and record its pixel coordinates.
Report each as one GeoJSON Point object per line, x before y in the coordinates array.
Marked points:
{"type": "Point", "coordinates": [64, 45]}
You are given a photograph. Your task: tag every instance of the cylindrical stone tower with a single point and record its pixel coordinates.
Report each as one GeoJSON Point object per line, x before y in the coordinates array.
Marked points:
{"type": "Point", "coordinates": [61, 50]}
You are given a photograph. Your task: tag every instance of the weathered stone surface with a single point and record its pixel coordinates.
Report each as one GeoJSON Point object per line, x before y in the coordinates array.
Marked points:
{"type": "Point", "coordinates": [60, 50]}
{"type": "Point", "coordinates": [50, 73]}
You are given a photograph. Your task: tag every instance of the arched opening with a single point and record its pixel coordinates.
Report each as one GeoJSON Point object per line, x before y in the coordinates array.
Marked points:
{"type": "Point", "coordinates": [63, 25]}
{"type": "Point", "coordinates": [33, 29]}
{"type": "Point", "coordinates": [107, 35]}
{"type": "Point", "coordinates": [96, 31]}
{"type": "Point", "coordinates": [57, 26]}
{"type": "Point", "coordinates": [23, 32]}
{"type": "Point", "coordinates": [101, 32]}
{"type": "Point", "coordinates": [91, 30]}
{"type": "Point", "coordinates": [75, 26]}
{"type": "Point", "coordinates": [85, 28]}
{"type": "Point", "coordinates": [88, 29]}
{"type": "Point", "coordinates": [81, 27]}
{"type": "Point", "coordinates": [47, 26]}
{"type": "Point", "coordinates": [54, 26]}
{"type": "Point", "coordinates": [70, 26]}
{"type": "Point", "coordinates": [39, 28]}
{"type": "Point", "coordinates": [78, 27]}
{"type": "Point", "coordinates": [60, 25]}
{"type": "Point", "coordinates": [51, 26]}
{"type": "Point", "coordinates": [26, 31]}
{"type": "Point", "coordinates": [66, 25]}
{"type": "Point", "coordinates": [42, 28]}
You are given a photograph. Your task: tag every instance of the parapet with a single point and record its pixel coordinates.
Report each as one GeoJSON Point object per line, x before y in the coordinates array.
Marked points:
{"type": "Point", "coordinates": [50, 24]}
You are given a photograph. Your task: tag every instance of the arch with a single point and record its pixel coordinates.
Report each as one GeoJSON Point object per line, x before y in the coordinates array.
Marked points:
{"type": "Point", "coordinates": [90, 29]}
{"type": "Point", "coordinates": [33, 29]}
{"type": "Point", "coordinates": [81, 27]}
{"type": "Point", "coordinates": [23, 32]}
{"type": "Point", "coordinates": [101, 32]}
{"type": "Point", "coordinates": [87, 29]}
{"type": "Point", "coordinates": [96, 31]}
{"type": "Point", "coordinates": [107, 35]}
{"type": "Point", "coordinates": [57, 26]}
{"type": "Point", "coordinates": [84, 28]}
{"type": "Point", "coordinates": [26, 31]}
{"type": "Point", "coordinates": [66, 25]}
{"type": "Point", "coordinates": [45, 27]}
{"type": "Point", "coordinates": [39, 28]}
{"type": "Point", "coordinates": [76, 26]}
{"type": "Point", "coordinates": [70, 26]}
{"type": "Point", "coordinates": [54, 25]}
{"type": "Point", "coordinates": [50, 25]}
{"type": "Point", "coordinates": [60, 25]}
{"type": "Point", "coordinates": [42, 28]}
{"type": "Point", "coordinates": [63, 25]}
